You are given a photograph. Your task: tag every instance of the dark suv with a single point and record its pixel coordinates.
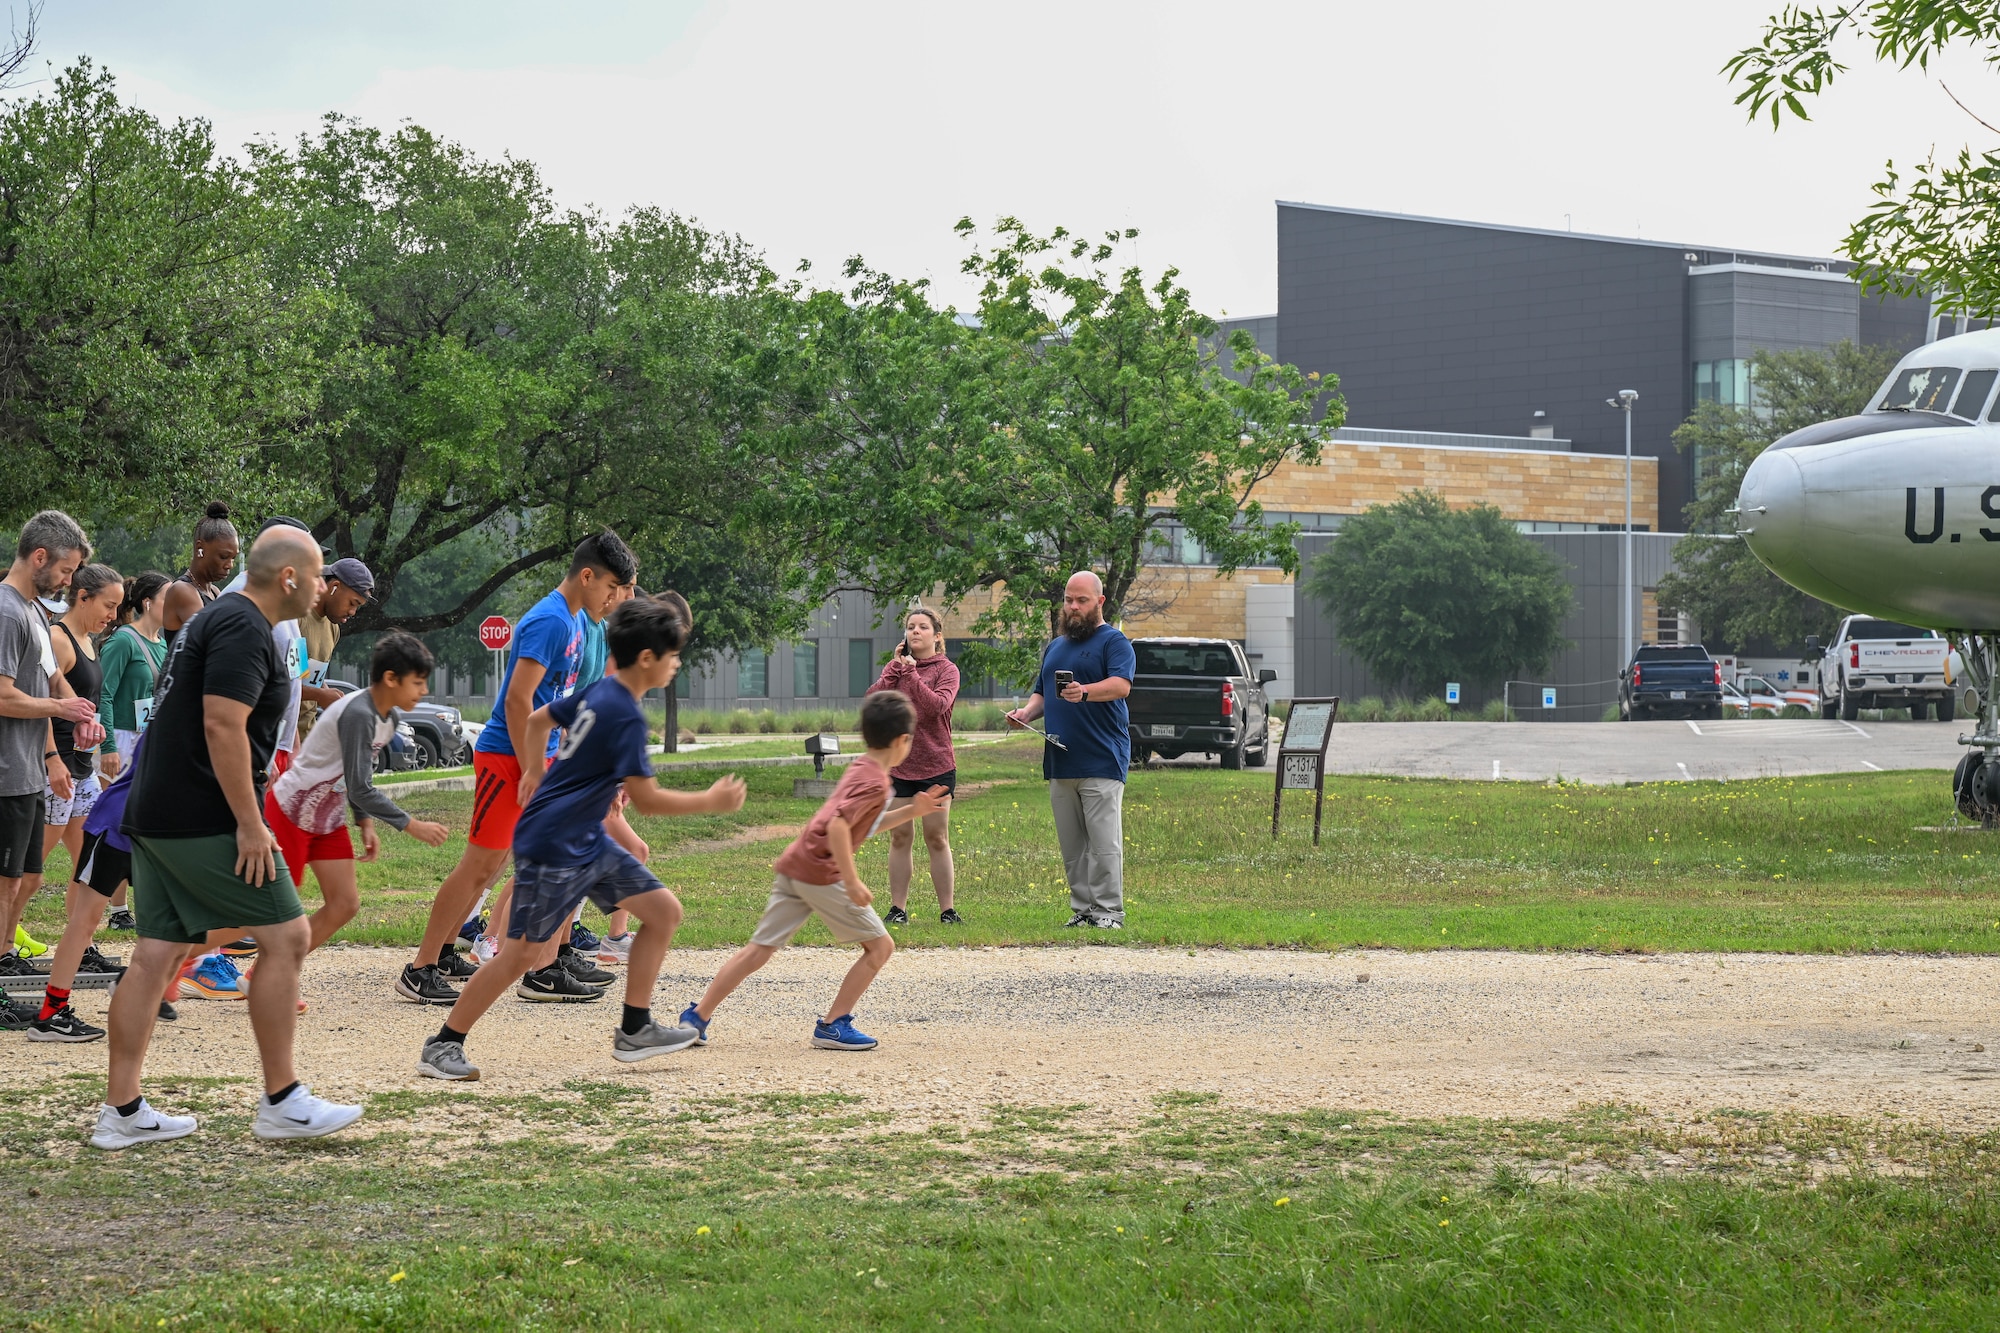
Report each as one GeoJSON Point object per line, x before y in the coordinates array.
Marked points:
{"type": "Point", "coordinates": [1193, 695]}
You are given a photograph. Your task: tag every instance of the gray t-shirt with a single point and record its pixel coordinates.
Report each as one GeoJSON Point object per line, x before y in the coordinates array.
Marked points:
{"type": "Point", "coordinates": [27, 656]}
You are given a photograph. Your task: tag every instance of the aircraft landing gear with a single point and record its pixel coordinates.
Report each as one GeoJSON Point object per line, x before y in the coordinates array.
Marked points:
{"type": "Point", "coordinates": [1975, 786]}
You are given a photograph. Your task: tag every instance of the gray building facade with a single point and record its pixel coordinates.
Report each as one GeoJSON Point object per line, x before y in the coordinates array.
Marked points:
{"type": "Point", "coordinates": [1440, 325]}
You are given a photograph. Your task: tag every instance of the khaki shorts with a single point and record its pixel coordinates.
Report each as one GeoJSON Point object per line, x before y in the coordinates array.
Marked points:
{"type": "Point", "coordinates": [792, 901]}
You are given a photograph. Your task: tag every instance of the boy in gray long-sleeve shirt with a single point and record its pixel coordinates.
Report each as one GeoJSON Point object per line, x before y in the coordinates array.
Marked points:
{"type": "Point", "coordinates": [333, 771]}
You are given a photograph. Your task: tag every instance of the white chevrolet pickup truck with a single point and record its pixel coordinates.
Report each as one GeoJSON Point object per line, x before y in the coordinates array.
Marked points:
{"type": "Point", "coordinates": [1882, 664]}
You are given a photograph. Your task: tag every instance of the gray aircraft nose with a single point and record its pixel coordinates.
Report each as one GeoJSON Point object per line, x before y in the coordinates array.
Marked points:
{"type": "Point", "coordinates": [1771, 512]}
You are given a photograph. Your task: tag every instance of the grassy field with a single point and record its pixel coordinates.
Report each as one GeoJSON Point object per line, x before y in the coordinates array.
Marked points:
{"type": "Point", "coordinates": [797, 1210]}
{"type": "Point", "coordinates": [1827, 864]}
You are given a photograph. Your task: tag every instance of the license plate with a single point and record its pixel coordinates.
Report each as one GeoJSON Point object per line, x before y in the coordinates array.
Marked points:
{"type": "Point", "coordinates": [1677, 694]}
{"type": "Point", "coordinates": [1161, 729]}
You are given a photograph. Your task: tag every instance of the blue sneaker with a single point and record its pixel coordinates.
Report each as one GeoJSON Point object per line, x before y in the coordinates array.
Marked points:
{"type": "Point", "coordinates": [691, 1019]}
{"type": "Point", "coordinates": [840, 1035]}
{"type": "Point", "coordinates": [582, 938]}
{"type": "Point", "coordinates": [472, 930]}
{"type": "Point", "coordinates": [217, 978]}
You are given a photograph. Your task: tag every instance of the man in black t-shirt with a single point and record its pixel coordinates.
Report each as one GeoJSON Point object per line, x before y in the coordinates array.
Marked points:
{"type": "Point", "coordinates": [202, 857]}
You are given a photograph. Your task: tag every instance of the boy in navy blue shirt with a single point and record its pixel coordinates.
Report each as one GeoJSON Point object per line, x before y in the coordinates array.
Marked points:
{"type": "Point", "coordinates": [562, 854]}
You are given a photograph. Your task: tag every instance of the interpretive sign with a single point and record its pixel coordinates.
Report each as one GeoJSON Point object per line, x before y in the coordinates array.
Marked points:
{"type": "Point", "coordinates": [1302, 756]}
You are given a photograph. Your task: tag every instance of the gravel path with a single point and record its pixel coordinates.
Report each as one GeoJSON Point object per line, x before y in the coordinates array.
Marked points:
{"type": "Point", "coordinates": [1448, 1033]}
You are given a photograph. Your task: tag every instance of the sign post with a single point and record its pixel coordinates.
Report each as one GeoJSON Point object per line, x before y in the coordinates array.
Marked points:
{"type": "Point", "coordinates": [495, 634]}
{"type": "Point", "coordinates": [1302, 756]}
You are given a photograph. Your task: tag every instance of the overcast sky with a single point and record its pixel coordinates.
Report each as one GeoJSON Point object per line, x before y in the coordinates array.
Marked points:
{"type": "Point", "coordinates": [821, 130]}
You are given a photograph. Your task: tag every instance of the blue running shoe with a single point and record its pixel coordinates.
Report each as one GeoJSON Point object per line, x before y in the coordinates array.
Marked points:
{"type": "Point", "coordinates": [472, 930]}
{"type": "Point", "coordinates": [217, 978]}
{"type": "Point", "coordinates": [840, 1035]}
{"type": "Point", "coordinates": [582, 938]}
{"type": "Point", "coordinates": [691, 1019]}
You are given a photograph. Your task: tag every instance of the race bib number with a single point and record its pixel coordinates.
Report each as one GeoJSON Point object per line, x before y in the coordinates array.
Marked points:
{"type": "Point", "coordinates": [316, 675]}
{"type": "Point", "coordinates": [49, 666]}
{"type": "Point", "coordinates": [295, 657]}
{"type": "Point", "coordinates": [142, 713]}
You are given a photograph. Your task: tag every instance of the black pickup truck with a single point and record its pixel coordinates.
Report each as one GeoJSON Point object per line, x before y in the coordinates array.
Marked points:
{"type": "Point", "coordinates": [1670, 680]}
{"type": "Point", "coordinates": [1192, 695]}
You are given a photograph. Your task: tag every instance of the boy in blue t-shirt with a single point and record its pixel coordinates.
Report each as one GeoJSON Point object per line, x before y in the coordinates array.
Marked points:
{"type": "Point", "coordinates": [562, 854]}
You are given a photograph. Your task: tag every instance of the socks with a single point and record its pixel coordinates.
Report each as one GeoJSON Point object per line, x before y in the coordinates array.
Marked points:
{"type": "Point", "coordinates": [275, 1097]}
{"type": "Point", "coordinates": [636, 1018]}
{"type": "Point", "coordinates": [449, 1033]}
{"type": "Point", "coordinates": [131, 1107]}
{"type": "Point", "coordinates": [52, 1002]}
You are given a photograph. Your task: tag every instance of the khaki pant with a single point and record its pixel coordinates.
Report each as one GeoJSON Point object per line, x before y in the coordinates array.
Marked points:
{"type": "Point", "coordinates": [1090, 829]}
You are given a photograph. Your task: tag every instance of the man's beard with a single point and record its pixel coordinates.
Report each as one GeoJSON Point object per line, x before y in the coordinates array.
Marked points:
{"type": "Point", "coordinates": [49, 581]}
{"type": "Point", "coordinates": [1081, 627]}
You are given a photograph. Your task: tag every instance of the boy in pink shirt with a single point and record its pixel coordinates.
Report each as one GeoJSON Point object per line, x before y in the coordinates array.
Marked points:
{"type": "Point", "coordinates": [816, 876]}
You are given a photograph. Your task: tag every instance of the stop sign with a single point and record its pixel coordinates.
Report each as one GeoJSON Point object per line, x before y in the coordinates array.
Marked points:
{"type": "Point", "coordinates": [495, 633]}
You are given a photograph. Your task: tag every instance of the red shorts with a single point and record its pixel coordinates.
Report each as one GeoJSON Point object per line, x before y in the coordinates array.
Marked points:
{"type": "Point", "coordinates": [496, 800]}
{"type": "Point", "coordinates": [280, 761]}
{"type": "Point", "coordinates": [300, 847]}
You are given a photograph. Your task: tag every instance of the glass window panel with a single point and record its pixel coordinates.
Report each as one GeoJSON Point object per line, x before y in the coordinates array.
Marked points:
{"type": "Point", "coordinates": [805, 669]}
{"type": "Point", "coordinates": [1972, 393]}
{"type": "Point", "coordinates": [683, 685]}
{"type": "Point", "coordinates": [860, 665]}
{"type": "Point", "coordinates": [752, 674]}
{"type": "Point", "coordinates": [1920, 389]}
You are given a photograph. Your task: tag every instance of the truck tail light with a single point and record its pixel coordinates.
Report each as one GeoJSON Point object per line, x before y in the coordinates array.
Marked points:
{"type": "Point", "coordinates": [1854, 654]}
{"type": "Point", "coordinates": [1718, 675]}
{"type": "Point", "coordinates": [1636, 669]}
{"type": "Point", "coordinates": [1228, 699]}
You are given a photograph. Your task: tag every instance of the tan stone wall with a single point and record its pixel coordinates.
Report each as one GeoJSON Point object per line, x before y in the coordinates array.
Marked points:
{"type": "Point", "coordinates": [1191, 600]}
{"type": "Point", "coordinates": [1547, 487]}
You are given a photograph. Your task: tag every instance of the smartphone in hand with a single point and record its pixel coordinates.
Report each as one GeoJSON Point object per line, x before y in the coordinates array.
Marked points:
{"type": "Point", "coordinates": [1064, 679]}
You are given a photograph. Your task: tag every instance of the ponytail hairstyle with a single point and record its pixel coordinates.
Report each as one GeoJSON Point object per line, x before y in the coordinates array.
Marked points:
{"type": "Point", "coordinates": [91, 580]}
{"type": "Point", "coordinates": [214, 524]}
{"type": "Point", "coordinates": [139, 591]}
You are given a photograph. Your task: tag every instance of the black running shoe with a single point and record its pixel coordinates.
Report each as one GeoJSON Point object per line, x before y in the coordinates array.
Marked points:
{"type": "Point", "coordinates": [95, 962]}
{"type": "Point", "coordinates": [897, 917]}
{"type": "Point", "coordinates": [243, 948]}
{"type": "Point", "coordinates": [13, 965]}
{"type": "Point", "coordinates": [454, 966]}
{"type": "Point", "coordinates": [554, 983]}
{"type": "Point", "coordinates": [63, 1025]}
{"type": "Point", "coordinates": [169, 1014]}
{"type": "Point", "coordinates": [1080, 919]}
{"type": "Point", "coordinates": [14, 1016]}
{"type": "Point", "coordinates": [583, 938]}
{"type": "Point", "coordinates": [950, 917]}
{"type": "Point", "coordinates": [122, 919]}
{"type": "Point", "coordinates": [589, 973]}
{"type": "Point", "coordinates": [423, 985]}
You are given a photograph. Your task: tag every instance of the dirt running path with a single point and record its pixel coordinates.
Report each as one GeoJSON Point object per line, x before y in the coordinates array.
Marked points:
{"type": "Point", "coordinates": [1484, 1034]}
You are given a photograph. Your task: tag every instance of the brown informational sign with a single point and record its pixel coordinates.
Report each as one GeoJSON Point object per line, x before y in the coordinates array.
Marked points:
{"type": "Point", "coordinates": [1302, 756]}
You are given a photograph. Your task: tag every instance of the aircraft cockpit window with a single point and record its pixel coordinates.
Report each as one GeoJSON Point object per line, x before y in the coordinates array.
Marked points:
{"type": "Point", "coordinates": [1973, 392]}
{"type": "Point", "coordinates": [1920, 389]}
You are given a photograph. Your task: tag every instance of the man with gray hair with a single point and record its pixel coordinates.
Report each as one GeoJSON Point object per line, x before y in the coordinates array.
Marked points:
{"type": "Point", "coordinates": [203, 858]}
{"type": "Point", "coordinates": [1084, 679]}
{"type": "Point", "coordinates": [32, 694]}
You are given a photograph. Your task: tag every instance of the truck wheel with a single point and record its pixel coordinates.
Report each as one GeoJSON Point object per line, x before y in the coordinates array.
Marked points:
{"type": "Point", "coordinates": [1138, 755]}
{"type": "Point", "coordinates": [1233, 757]}
{"type": "Point", "coordinates": [1920, 710]}
{"type": "Point", "coordinates": [1712, 713]}
{"type": "Point", "coordinates": [1256, 758]}
{"type": "Point", "coordinates": [1947, 708]}
{"type": "Point", "coordinates": [1850, 705]}
{"type": "Point", "coordinates": [1827, 708]}
{"type": "Point", "coordinates": [427, 754]}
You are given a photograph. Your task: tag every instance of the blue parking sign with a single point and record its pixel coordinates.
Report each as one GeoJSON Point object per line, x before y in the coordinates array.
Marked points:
{"type": "Point", "coordinates": [1451, 691]}
{"type": "Point", "coordinates": [1548, 696]}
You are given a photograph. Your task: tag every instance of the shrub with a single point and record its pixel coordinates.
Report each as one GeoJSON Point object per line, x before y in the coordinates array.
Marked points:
{"type": "Point", "coordinates": [1434, 709]}
{"type": "Point", "coordinates": [1495, 710]}
{"type": "Point", "coordinates": [1402, 710]}
{"type": "Point", "coordinates": [1368, 709]}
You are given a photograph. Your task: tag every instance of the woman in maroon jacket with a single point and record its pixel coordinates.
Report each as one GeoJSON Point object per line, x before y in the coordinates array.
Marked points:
{"type": "Point", "coordinates": [921, 670]}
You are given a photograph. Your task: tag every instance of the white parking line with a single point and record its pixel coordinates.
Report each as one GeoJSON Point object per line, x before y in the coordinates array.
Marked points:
{"type": "Point", "coordinates": [1875, 767]}
{"type": "Point", "coordinates": [1691, 726]}
{"type": "Point", "coordinates": [1496, 770]}
{"type": "Point", "coordinates": [1685, 775]}
{"type": "Point", "coordinates": [1856, 730]}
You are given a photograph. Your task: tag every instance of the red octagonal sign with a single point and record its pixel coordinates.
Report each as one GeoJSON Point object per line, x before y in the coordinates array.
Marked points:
{"type": "Point", "coordinates": [495, 633]}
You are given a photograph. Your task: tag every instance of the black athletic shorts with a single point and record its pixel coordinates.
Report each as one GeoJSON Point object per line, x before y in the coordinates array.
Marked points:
{"type": "Point", "coordinates": [21, 827]}
{"type": "Point", "coordinates": [102, 866]}
{"type": "Point", "coordinates": [906, 789]}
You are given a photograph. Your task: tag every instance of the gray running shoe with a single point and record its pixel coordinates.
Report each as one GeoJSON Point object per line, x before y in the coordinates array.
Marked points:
{"type": "Point", "coordinates": [651, 1040]}
{"type": "Point", "coordinates": [446, 1060]}
{"type": "Point", "coordinates": [1107, 923]}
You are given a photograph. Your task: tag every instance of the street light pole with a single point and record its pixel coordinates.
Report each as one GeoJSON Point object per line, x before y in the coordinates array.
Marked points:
{"type": "Point", "coordinates": [1623, 402]}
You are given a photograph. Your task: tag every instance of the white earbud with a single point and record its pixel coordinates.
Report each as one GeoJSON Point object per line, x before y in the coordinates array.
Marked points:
{"type": "Point", "coordinates": [291, 585]}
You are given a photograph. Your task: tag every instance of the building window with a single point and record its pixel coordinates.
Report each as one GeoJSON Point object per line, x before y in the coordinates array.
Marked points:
{"type": "Point", "coordinates": [1724, 382]}
{"type": "Point", "coordinates": [753, 674]}
{"type": "Point", "coordinates": [683, 684]}
{"type": "Point", "coordinates": [860, 666]}
{"type": "Point", "coordinates": [805, 670]}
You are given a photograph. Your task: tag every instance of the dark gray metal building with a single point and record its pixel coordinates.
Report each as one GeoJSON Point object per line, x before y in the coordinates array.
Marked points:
{"type": "Point", "coordinates": [1441, 325]}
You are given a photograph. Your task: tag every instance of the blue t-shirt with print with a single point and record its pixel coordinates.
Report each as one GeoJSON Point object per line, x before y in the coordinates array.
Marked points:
{"type": "Point", "coordinates": [551, 634]}
{"type": "Point", "coordinates": [1096, 731]}
{"type": "Point", "coordinates": [604, 742]}
{"type": "Point", "coordinates": [596, 653]}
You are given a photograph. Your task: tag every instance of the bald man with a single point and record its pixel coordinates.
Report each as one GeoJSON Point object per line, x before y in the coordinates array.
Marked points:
{"type": "Point", "coordinates": [1085, 708]}
{"type": "Point", "coordinates": [202, 858]}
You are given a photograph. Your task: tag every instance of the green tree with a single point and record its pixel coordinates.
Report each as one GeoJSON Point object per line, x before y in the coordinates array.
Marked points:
{"type": "Point", "coordinates": [1424, 593]}
{"type": "Point", "coordinates": [1739, 603]}
{"type": "Point", "coordinates": [147, 360]}
{"type": "Point", "coordinates": [1079, 415]}
{"type": "Point", "coordinates": [1938, 232]}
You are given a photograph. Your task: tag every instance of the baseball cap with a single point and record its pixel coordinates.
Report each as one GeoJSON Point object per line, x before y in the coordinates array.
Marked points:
{"type": "Point", "coordinates": [351, 573]}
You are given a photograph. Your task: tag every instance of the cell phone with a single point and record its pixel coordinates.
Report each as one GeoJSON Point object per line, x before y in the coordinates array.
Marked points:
{"type": "Point", "coordinates": [1064, 679]}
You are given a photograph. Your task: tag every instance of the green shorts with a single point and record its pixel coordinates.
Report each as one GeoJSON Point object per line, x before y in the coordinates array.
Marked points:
{"type": "Point", "coordinates": [182, 888]}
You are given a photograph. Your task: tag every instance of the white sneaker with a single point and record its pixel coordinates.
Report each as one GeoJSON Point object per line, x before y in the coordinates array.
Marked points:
{"type": "Point", "coordinates": [144, 1125]}
{"type": "Point", "coordinates": [484, 950]}
{"type": "Point", "coordinates": [301, 1116]}
{"type": "Point", "coordinates": [615, 949]}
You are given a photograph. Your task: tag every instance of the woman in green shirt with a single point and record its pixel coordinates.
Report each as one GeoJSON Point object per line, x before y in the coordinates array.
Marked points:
{"type": "Point", "coordinates": [131, 657]}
